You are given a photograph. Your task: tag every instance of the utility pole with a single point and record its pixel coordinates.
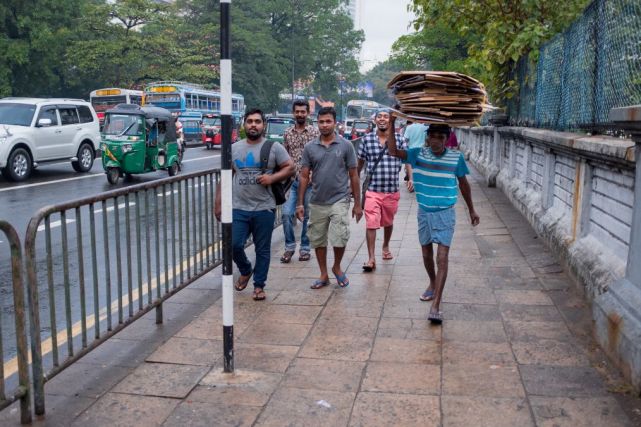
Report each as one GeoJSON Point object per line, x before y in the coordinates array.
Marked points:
{"type": "Point", "coordinates": [226, 184]}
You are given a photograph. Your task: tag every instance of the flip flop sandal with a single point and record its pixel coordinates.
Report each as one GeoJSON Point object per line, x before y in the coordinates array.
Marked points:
{"type": "Point", "coordinates": [342, 280]}
{"type": "Point", "coordinates": [428, 295]}
{"type": "Point", "coordinates": [305, 256]}
{"type": "Point", "coordinates": [435, 318]}
{"type": "Point", "coordinates": [241, 285]}
{"type": "Point", "coordinates": [387, 255]}
{"type": "Point", "coordinates": [320, 284]}
{"type": "Point", "coordinates": [287, 257]}
{"type": "Point", "coordinates": [259, 294]}
{"type": "Point", "coordinates": [369, 267]}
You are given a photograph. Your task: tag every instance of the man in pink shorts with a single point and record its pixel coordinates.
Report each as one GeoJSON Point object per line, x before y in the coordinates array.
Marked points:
{"type": "Point", "coordinates": [382, 195]}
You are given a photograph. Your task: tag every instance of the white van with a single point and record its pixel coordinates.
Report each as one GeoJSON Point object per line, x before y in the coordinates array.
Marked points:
{"type": "Point", "coordinates": [35, 131]}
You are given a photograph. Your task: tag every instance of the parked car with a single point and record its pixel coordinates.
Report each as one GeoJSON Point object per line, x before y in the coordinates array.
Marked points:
{"type": "Point", "coordinates": [276, 127]}
{"type": "Point", "coordinates": [360, 128]}
{"type": "Point", "coordinates": [34, 131]}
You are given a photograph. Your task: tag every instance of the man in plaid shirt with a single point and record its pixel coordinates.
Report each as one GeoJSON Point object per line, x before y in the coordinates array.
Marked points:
{"type": "Point", "coordinates": [382, 195]}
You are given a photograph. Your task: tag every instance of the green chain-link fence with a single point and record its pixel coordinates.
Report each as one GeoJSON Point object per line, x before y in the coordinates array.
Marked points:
{"type": "Point", "coordinates": [582, 73]}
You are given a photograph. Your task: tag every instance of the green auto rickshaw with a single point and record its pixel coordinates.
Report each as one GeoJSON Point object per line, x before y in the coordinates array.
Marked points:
{"type": "Point", "coordinates": [138, 140]}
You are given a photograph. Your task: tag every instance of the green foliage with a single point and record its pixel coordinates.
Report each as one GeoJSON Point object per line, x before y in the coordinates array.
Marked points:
{"type": "Point", "coordinates": [437, 47]}
{"type": "Point", "coordinates": [380, 75]}
{"type": "Point", "coordinates": [33, 38]}
{"type": "Point", "coordinates": [70, 47]}
{"type": "Point", "coordinates": [498, 32]}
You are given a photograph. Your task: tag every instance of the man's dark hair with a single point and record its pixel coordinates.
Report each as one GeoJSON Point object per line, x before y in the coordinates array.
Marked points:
{"type": "Point", "coordinates": [300, 103]}
{"type": "Point", "coordinates": [440, 128]}
{"type": "Point", "coordinates": [254, 111]}
{"type": "Point", "coordinates": [327, 110]}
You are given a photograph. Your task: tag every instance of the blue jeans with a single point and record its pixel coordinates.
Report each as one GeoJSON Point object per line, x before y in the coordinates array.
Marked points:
{"type": "Point", "coordinates": [259, 225]}
{"type": "Point", "coordinates": [289, 220]}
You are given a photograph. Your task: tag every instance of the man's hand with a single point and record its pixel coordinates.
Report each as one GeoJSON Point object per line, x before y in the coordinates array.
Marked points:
{"type": "Point", "coordinates": [264, 180]}
{"type": "Point", "coordinates": [410, 185]}
{"type": "Point", "coordinates": [392, 124]}
{"type": "Point", "coordinates": [357, 211]}
{"type": "Point", "coordinates": [217, 211]}
{"type": "Point", "coordinates": [475, 219]}
{"type": "Point", "coordinates": [300, 213]}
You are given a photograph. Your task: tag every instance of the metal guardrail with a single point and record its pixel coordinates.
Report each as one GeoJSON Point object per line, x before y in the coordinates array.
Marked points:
{"type": "Point", "coordinates": [22, 390]}
{"type": "Point", "coordinates": [96, 264]}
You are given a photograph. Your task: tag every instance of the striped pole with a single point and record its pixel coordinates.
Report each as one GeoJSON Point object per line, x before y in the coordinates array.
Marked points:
{"type": "Point", "coordinates": [226, 184]}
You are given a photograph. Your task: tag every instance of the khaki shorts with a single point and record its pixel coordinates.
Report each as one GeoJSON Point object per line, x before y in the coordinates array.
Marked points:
{"type": "Point", "coordinates": [328, 222]}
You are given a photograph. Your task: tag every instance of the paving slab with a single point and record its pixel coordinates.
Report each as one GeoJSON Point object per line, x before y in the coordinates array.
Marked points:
{"type": "Point", "coordinates": [584, 412]}
{"type": "Point", "coordinates": [294, 406]}
{"type": "Point", "coordinates": [406, 378]}
{"type": "Point", "coordinates": [87, 380]}
{"type": "Point", "coordinates": [320, 374]}
{"type": "Point", "coordinates": [489, 380]}
{"type": "Point", "coordinates": [243, 387]}
{"type": "Point", "coordinates": [116, 409]}
{"type": "Point", "coordinates": [386, 409]}
{"type": "Point", "coordinates": [479, 411]}
{"type": "Point", "coordinates": [162, 380]}
{"type": "Point", "coordinates": [406, 351]}
{"type": "Point", "coordinates": [199, 414]}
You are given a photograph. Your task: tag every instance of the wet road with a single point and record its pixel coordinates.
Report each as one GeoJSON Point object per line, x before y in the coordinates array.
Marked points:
{"type": "Point", "coordinates": [58, 183]}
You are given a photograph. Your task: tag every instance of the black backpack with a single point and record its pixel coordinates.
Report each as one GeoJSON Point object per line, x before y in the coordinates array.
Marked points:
{"type": "Point", "coordinates": [279, 189]}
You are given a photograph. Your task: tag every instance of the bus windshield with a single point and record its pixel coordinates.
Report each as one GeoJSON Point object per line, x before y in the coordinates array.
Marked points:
{"type": "Point", "coordinates": [123, 124]}
{"type": "Point", "coordinates": [354, 111]}
{"type": "Point", "coordinates": [211, 121]}
{"type": "Point", "coordinates": [103, 103]}
{"type": "Point", "coordinates": [278, 126]}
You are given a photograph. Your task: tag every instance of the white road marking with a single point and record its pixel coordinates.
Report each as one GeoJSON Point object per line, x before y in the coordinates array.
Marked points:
{"type": "Point", "coordinates": [56, 224]}
{"type": "Point", "coordinates": [201, 158]}
{"type": "Point", "coordinates": [93, 175]}
{"type": "Point", "coordinates": [51, 182]}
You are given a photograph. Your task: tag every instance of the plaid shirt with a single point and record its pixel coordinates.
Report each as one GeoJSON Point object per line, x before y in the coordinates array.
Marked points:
{"type": "Point", "coordinates": [385, 178]}
{"type": "Point", "coordinates": [294, 142]}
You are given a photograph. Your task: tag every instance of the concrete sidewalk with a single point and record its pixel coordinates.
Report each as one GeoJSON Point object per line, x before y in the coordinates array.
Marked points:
{"type": "Point", "coordinates": [515, 348]}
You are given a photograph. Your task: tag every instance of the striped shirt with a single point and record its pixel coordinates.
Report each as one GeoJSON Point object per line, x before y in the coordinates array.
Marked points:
{"type": "Point", "coordinates": [435, 177]}
{"type": "Point", "coordinates": [385, 176]}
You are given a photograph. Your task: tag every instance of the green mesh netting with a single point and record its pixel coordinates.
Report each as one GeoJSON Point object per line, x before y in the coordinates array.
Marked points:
{"type": "Point", "coordinates": [582, 73]}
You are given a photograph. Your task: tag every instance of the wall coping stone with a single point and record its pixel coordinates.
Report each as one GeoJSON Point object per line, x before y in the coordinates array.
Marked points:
{"type": "Point", "coordinates": [604, 148]}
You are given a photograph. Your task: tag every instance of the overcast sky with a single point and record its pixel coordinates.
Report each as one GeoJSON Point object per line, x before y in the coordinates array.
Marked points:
{"type": "Point", "coordinates": [383, 21]}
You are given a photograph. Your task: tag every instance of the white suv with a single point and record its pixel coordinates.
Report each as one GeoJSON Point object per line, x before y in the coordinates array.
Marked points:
{"type": "Point", "coordinates": [34, 131]}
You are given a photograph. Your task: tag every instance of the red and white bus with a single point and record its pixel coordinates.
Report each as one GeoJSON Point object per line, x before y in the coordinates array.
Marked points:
{"type": "Point", "coordinates": [104, 99]}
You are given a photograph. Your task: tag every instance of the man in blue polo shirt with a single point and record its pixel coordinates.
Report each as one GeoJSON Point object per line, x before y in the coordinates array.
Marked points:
{"type": "Point", "coordinates": [438, 175]}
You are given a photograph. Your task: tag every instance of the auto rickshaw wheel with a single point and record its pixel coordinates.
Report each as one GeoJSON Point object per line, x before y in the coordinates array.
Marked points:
{"type": "Point", "coordinates": [112, 175]}
{"type": "Point", "coordinates": [173, 169]}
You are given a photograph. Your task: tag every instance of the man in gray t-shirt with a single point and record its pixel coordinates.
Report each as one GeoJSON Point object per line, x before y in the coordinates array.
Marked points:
{"type": "Point", "coordinates": [253, 201]}
{"type": "Point", "coordinates": [332, 163]}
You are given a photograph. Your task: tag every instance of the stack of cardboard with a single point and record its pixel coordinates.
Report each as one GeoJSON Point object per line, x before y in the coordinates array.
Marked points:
{"type": "Point", "coordinates": [439, 97]}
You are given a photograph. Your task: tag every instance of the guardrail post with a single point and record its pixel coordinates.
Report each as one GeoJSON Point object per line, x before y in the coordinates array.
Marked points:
{"type": "Point", "coordinates": [34, 319]}
{"type": "Point", "coordinates": [618, 311]}
{"type": "Point", "coordinates": [19, 318]}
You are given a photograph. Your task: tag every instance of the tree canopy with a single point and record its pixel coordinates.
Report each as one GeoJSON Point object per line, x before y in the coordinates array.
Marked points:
{"type": "Point", "coordinates": [497, 32]}
{"type": "Point", "coordinates": [70, 47]}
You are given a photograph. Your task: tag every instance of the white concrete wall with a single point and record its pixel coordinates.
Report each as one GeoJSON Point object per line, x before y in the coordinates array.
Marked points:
{"type": "Point", "coordinates": [576, 191]}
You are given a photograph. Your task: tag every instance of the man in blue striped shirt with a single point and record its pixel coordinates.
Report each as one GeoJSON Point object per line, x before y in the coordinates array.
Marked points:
{"type": "Point", "coordinates": [438, 175]}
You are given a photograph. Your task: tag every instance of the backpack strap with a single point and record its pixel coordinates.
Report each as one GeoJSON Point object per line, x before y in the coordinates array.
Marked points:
{"type": "Point", "coordinates": [264, 154]}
